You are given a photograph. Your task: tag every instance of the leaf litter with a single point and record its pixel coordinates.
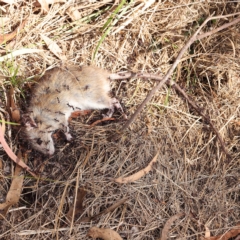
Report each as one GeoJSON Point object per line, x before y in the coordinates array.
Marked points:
{"type": "Point", "coordinates": [14, 192]}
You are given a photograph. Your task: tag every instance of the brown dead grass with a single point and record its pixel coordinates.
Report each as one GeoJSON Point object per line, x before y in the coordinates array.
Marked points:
{"type": "Point", "coordinates": [191, 175]}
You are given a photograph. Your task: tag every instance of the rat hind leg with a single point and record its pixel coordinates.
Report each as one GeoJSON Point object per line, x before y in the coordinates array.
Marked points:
{"type": "Point", "coordinates": [65, 129]}
{"type": "Point", "coordinates": [115, 104]}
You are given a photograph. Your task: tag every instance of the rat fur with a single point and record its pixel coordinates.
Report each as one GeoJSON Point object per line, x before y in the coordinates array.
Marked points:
{"type": "Point", "coordinates": [60, 92]}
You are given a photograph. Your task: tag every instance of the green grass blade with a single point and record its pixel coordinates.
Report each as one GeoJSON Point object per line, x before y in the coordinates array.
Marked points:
{"type": "Point", "coordinates": [109, 26]}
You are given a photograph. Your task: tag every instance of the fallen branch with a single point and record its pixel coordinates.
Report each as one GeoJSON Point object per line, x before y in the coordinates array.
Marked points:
{"type": "Point", "coordinates": [166, 78]}
{"type": "Point", "coordinates": [226, 25]}
{"type": "Point", "coordinates": [205, 117]}
{"type": "Point", "coordinates": [176, 62]}
{"type": "Point", "coordinates": [183, 93]}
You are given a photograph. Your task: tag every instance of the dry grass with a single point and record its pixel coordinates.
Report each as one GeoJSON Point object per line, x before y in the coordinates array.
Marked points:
{"type": "Point", "coordinates": [192, 174]}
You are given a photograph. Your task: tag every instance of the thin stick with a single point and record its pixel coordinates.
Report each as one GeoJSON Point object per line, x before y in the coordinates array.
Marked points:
{"type": "Point", "coordinates": [226, 25]}
{"type": "Point", "coordinates": [175, 85]}
{"type": "Point", "coordinates": [178, 59]}
{"type": "Point", "coordinates": [184, 94]}
{"type": "Point", "coordinates": [205, 117]}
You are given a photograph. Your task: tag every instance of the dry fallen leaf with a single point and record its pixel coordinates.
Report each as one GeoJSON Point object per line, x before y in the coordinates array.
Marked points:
{"type": "Point", "coordinates": [9, 1]}
{"type": "Point", "coordinates": [54, 48]}
{"type": "Point", "coordinates": [6, 37]}
{"type": "Point", "coordinates": [101, 120]}
{"type": "Point", "coordinates": [236, 122]}
{"type": "Point", "coordinates": [11, 154]}
{"type": "Point", "coordinates": [44, 4]}
{"type": "Point", "coordinates": [238, 237]}
{"type": "Point", "coordinates": [139, 174]}
{"type": "Point", "coordinates": [1, 164]}
{"type": "Point", "coordinates": [55, 1]}
{"type": "Point", "coordinates": [78, 113]}
{"type": "Point", "coordinates": [230, 234]}
{"type": "Point", "coordinates": [149, 126]}
{"type": "Point", "coordinates": [18, 53]}
{"type": "Point", "coordinates": [207, 232]}
{"type": "Point", "coordinates": [11, 106]}
{"type": "Point", "coordinates": [168, 225]}
{"type": "Point", "coordinates": [3, 125]}
{"type": "Point", "coordinates": [14, 192]}
{"type": "Point", "coordinates": [73, 13]}
{"type": "Point", "coordinates": [104, 233]}
{"type": "Point", "coordinates": [78, 208]}
{"type": "Point", "coordinates": [4, 21]}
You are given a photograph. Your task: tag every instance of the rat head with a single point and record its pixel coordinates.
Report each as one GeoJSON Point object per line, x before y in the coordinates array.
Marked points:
{"type": "Point", "coordinates": [39, 137]}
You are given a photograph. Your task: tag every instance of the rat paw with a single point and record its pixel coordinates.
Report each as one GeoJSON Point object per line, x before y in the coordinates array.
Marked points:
{"type": "Point", "coordinates": [68, 136]}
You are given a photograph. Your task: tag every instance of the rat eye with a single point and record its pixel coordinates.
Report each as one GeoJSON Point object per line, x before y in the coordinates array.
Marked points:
{"type": "Point", "coordinates": [39, 141]}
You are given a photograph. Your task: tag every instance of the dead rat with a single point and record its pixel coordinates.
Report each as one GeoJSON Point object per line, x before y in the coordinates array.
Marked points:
{"type": "Point", "coordinates": [60, 92]}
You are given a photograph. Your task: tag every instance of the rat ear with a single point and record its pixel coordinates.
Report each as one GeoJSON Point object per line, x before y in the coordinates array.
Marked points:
{"type": "Point", "coordinates": [28, 122]}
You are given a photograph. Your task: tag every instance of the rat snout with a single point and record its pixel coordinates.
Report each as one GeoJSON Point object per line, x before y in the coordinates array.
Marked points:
{"type": "Point", "coordinates": [51, 152]}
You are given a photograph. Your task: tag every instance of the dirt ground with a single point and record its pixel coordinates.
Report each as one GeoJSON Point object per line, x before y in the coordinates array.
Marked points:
{"type": "Point", "coordinates": [192, 174]}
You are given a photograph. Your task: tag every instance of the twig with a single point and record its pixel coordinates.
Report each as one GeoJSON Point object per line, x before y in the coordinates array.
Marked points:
{"type": "Point", "coordinates": [178, 59]}
{"type": "Point", "coordinates": [198, 110]}
{"type": "Point", "coordinates": [166, 78]}
{"type": "Point", "coordinates": [226, 25]}
{"type": "Point", "coordinates": [184, 94]}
